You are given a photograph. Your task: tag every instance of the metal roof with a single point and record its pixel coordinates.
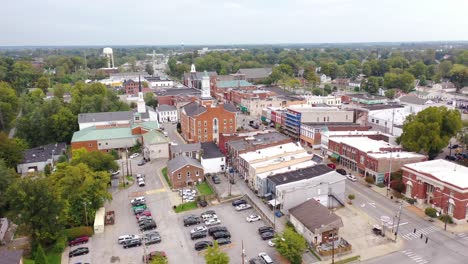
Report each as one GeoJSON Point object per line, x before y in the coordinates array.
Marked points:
{"type": "Point", "coordinates": [181, 161]}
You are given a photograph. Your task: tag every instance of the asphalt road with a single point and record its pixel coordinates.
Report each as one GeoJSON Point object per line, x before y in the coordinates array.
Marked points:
{"type": "Point", "coordinates": [442, 246]}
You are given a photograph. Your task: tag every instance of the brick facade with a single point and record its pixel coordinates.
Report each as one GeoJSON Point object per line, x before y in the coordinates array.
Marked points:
{"type": "Point", "coordinates": [186, 176]}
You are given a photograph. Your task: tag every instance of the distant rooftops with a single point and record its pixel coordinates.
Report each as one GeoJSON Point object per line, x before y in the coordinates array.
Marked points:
{"type": "Point", "coordinates": [233, 84]}
{"type": "Point", "coordinates": [301, 174]}
{"type": "Point", "coordinates": [44, 153]}
{"type": "Point", "coordinates": [165, 107]}
{"type": "Point", "coordinates": [177, 91]}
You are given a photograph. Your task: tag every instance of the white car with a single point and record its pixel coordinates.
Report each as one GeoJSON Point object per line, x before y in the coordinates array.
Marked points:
{"type": "Point", "coordinates": [241, 207]}
{"type": "Point", "coordinates": [113, 173]}
{"type": "Point", "coordinates": [264, 256]}
{"type": "Point", "coordinates": [351, 177]}
{"type": "Point", "coordinates": [141, 182]}
{"type": "Point", "coordinates": [271, 243]}
{"type": "Point", "coordinates": [140, 176]}
{"type": "Point", "coordinates": [253, 218]}
{"type": "Point", "coordinates": [209, 216]}
{"type": "Point", "coordinates": [212, 221]}
{"type": "Point", "coordinates": [134, 155]}
{"type": "Point", "coordinates": [138, 199]}
{"type": "Point", "coordinates": [124, 238]}
{"type": "Point", "coordinates": [198, 229]}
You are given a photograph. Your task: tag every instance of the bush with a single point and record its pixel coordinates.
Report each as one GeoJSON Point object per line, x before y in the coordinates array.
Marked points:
{"type": "Point", "coordinates": [431, 212]}
{"type": "Point", "coordinates": [351, 197]}
{"type": "Point", "coordinates": [447, 218]}
{"type": "Point", "coordinates": [79, 231]}
{"type": "Point", "coordinates": [60, 244]}
{"type": "Point", "coordinates": [380, 185]}
{"type": "Point", "coordinates": [39, 256]}
{"type": "Point", "coordinates": [410, 200]}
{"type": "Point", "coordinates": [370, 179]}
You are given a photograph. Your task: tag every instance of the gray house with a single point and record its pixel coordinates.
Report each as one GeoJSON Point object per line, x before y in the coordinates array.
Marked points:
{"type": "Point", "coordinates": [35, 159]}
{"type": "Point", "coordinates": [192, 150]}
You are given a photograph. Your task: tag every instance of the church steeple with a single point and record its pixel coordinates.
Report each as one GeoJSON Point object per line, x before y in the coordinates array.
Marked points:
{"type": "Point", "coordinates": [141, 106]}
{"type": "Point", "coordinates": [205, 89]}
{"type": "Point", "coordinates": [192, 69]}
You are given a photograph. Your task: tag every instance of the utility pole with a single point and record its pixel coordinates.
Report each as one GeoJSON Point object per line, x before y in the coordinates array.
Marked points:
{"type": "Point", "coordinates": [398, 221]}
{"type": "Point", "coordinates": [389, 172]}
{"type": "Point", "coordinates": [333, 246]}
{"type": "Point", "coordinates": [446, 216]}
{"type": "Point", "coordinates": [243, 253]}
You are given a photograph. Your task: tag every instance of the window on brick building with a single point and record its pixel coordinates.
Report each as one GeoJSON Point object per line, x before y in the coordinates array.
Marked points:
{"type": "Point", "coordinates": [188, 174]}
{"type": "Point", "coordinates": [179, 176]}
{"type": "Point", "coordinates": [199, 123]}
{"type": "Point", "coordinates": [205, 130]}
{"type": "Point", "coordinates": [225, 121]}
{"type": "Point", "coordinates": [205, 123]}
{"type": "Point", "coordinates": [197, 173]}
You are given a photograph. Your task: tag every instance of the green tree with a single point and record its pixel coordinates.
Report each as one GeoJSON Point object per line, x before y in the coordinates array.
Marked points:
{"type": "Point", "coordinates": [418, 69]}
{"type": "Point", "coordinates": [149, 69]}
{"type": "Point", "coordinates": [40, 256]}
{"type": "Point", "coordinates": [37, 205]}
{"type": "Point", "coordinates": [215, 256]}
{"type": "Point", "coordinates": [11, 150]}
{"type": "Point", "coordinates": [64, 124]}
{"type": "Point", "coordinates": [159, 260]}
{"type": "Point", "coordinates": [7, 177]}
{"type": "Point", "coordinates": [372, 84]}
{"type": "Point", "coordinates": [83, 191]}
{"type": "Point", "coordinates": [390, 93]}
{"type": "Point", "coordinates": [23, 75]}
{"type": "Point", "coordinates": [430, 130]}
{"type": "Point", "coordinates": [96, 160]}
{"type": "Point", "coordinates": [8, 105]}
{"type": "Point", "coordinates": [291, 245]}
{"type": "Point", "coordinates": [459, 75]}
{"type": "Point", "coordinates": [150, 100]}
{"type": "Point", "coordinates": [43, 83]}
{"type": "Point", "coordinates": [403, 81]}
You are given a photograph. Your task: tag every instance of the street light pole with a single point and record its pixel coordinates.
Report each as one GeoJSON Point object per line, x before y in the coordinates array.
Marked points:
{"type": "Point", "coordinates": [446, 216]}
{"type": "Point", "coordinates": [389, 172]}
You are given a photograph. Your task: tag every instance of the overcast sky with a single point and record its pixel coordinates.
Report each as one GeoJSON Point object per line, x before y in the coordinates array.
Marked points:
{"type": "Point", "coordinates": [158, 22]}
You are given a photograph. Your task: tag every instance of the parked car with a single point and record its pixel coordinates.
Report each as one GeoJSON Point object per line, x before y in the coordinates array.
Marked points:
{"type": "Point", "coordinates": [267, 235]}
{"type": "Point", "coordinates": [201, 245]}
{"type": "Point", "coordinates": [253, 218]}
{"type": "Point", "coordinates": [138, 204]}
{"type": "Point", "coordinates": [215, 229]}
{"type": "Point", "coordinates": [192, 221]}
{"type": "Point", "coordinates": [144, 213]}
{"type": "Point", "coordinates": [197, 235]}
{"type": "Point", "coordinates": [78, 252]}
{"type": "Point", "coordinates": [140, 176]}
{"type": "Point", "coordinates": [264, 229]}
{"type": "Point", "coordinates": [138, 199]}
{"type": "Point", "coordinates": [132, 243]}
{"type": "Point", "coordinates": [199, 229]}
{"type": "Point", "coordinates": [141, 183]}
{"type": "Point", "coordinates": [145, 221]}
{"type": "Point", "coordinates": [238, 202]}
{"type": "Point", "coordinates": [331, 165]}
{"type": "Point", "coordinates": [78, 241]}
{"type": "Point", "coordinates": [148, 226]}
{"type": "Point", "coordinates": [209, 216]}
{"type": "Point", "coordinates": [223, 241]}
{"type": "Point", "coordinates": [202, 203]}
{"type": "Point", "coordinates": [150, 256]}
{"type": "Point", "coordinates": [144, 218]}
{"type": "Point", "coordinates": [216, 179]}
{"type": "Point", "coordinates": [351, 177]}
{"type": "Point", "coordinates": [152, 238]}
{"type": "Point", "coordinates": [134, 155]}
{"type": "Point", "coordinates": [450, 157]}
{"type": "Point", "coordinates": [114, 173]}
{"type": "Point", "coordinates": [341, 171]}
{"type": "Point", "coordinates": [141, 162]}
{"type": "Point", "coordinates": [138, 210]}
{"type": "Point", "coordinates": [209, 212]}
{"type": "Point", "coordinates": [242, 207]}
{"type": "Point", "coordinates": [264, 256]}
{"type": "Point", "coordinates": [221, 234]}
{"type": "Point", "coordinates": [455, 146]}
{"type": "Point", "coordinates": [141, 206]}
{"type": "Point", "coordinates": [212, 221]}
{"type": "Point", "coordinates": [124, 238]}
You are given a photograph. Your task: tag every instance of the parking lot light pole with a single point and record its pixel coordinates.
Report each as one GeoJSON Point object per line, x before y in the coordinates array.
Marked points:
{"type": "Point", "coordinates": [389, 173]}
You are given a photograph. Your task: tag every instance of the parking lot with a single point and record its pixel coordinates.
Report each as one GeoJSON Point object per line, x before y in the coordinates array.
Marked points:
{"type": "Point", "coordinates": [240, 229]}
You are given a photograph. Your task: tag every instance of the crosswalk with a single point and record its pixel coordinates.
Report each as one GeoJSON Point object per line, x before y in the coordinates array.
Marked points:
{"type": "Point", "coordinates": [424, 231]}
{"type": "Point", "coordinates": [415, 257]}
{"type": "Point", "coordinates": [463, 236]}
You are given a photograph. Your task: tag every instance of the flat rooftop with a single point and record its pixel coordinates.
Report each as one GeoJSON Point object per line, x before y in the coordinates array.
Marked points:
{"type": "Point", "coordinates": [301, 174]}
{"type": "Point", "coordinates": [308, 108]}
{"type": "Point", "coordinates": [294, 167]}
{"type": "Point", "coordinates": [396, 155]}
{"type": "Point", "coordinates": [271, 152]}
{"type": "Point", "coordinates": [282, 159]}
{"type": "Point", "coordinates": [443, 170]}
{"type": "Point", "coordinates": [257, 140]}
{"type": "Point", "coordinates": [364, 144]}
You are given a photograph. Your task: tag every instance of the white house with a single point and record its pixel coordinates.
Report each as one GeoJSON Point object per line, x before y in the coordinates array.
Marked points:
{"type": "Point", "coordinates": [155, 146]}
{"type": "Point", "coordinates": [167, 113]}
{"type": "Point", "coordinates": [325, 79]}
{"type": "Point", "coordinates": [35, 159]}
{"type": "Point", "coordinates": [212, 160]}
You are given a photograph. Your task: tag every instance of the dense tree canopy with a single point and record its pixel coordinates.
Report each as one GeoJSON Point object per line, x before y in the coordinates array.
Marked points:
{"type": "Point", "coordinates": [8, 105]}
{"type": "Point", "coordinates": [96, 160]}
{"type": "Point", "coordinates": [215, 256]}
{"type": "Point", "coordinates": [11, 150]}
{"type": "Point", "coordinates": [430, 130]}
{"type": "Point", "coordinates": [291, 245]}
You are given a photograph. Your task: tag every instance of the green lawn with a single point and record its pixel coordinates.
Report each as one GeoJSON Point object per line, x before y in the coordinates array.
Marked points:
{"type": "Point", "coordinates": [351, 259]}
{"type": "Point", "coordinates": [52, 258]}
{"type": "Point", "coordinates": [204, 189]}
{"type": "Point", "coordinates": [186, 207]}
{"type": "Point", "coordinates": [164, 172]}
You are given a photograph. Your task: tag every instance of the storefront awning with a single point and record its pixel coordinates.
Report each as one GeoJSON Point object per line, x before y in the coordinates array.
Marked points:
{"type": "Point", "coordinates": [274, 202]}
{"type": "Point", "coordinates": [335, 155]}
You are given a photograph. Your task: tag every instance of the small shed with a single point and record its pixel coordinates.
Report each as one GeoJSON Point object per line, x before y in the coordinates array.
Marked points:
{"type": "Point", "coordinates": [99, 220]}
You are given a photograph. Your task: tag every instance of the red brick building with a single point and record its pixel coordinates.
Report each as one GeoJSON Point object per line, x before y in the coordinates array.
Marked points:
{"type": "Point", "coordinates": [184, 171]}
{"type": "Point", "coordinates": [440, 184]}
{"type": "Point", "coordinates": [132, 88]}
{"type": "Point", "coordinates": [174, 95]}
{"type": "Point", "coordinates": [204, 120]}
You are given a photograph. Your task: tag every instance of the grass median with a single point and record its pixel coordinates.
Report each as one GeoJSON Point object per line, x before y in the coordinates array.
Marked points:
{"type": "Point", "coordinates": [204, 189]}
{"type": "Point", "coordinates": [164, 172]}
{"type": "Point", "coordinates": [185, 207]}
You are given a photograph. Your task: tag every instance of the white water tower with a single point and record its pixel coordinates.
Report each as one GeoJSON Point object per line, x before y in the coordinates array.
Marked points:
{"type": "Point", "coordinates": [109, 54]}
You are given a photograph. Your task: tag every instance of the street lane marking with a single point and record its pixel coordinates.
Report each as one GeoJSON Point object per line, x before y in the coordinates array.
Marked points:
{"type": "Point", "coordinates": [372, 204]}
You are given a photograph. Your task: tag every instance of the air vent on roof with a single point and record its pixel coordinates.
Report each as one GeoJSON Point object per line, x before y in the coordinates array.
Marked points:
{"type": "Point", "coordinates": [285, 178]}
{"type": "Point", "coordinates": [34, 155]}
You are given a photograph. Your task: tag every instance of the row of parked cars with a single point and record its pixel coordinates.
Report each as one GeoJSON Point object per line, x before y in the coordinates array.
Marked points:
{"type": "Point", "coordinates": [81, 250]}
{"type": "Point", "coordinates": [209, 218]}
{"type": "Point", "coordinates": [188, 195]}
{"type": "Point", "coordinates": [241, 205]}
{"type": "Point", "coordinates": [457, 156]}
